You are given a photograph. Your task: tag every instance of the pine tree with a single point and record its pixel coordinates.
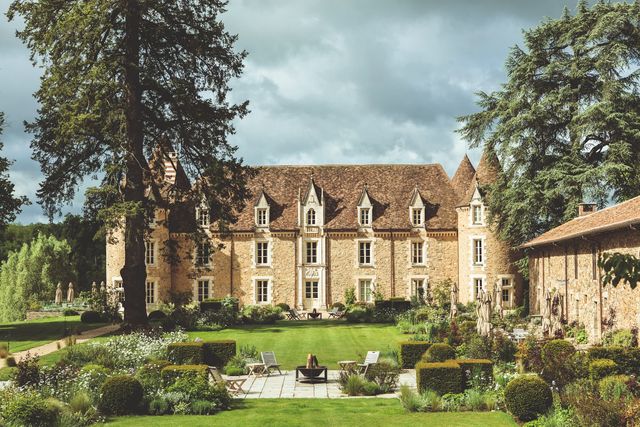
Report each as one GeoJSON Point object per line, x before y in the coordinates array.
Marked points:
{"type": "Point", "coordinates": [119, 78]}
{"type": "Point", "coordinates": [10, 205]}
{"type": "Point", "coordinates": [566, 124]}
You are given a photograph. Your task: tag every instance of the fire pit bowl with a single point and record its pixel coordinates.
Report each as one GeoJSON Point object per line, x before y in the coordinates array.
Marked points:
{"type": "Point", "coordinates": [311, 374]}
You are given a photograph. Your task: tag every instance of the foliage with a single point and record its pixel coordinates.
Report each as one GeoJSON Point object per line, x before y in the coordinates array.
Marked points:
{"type": "Point", "coordinates": [439, 352]}
{"type": "Point", "coordinates": [172, 372]}
{"type": "Point", "coordinates": [476, 347]}
{"type": "Point", "coordinates": [93, 377]}
{"type": "Point", "coordinates": [441, 377]}
{"type": "Point", "coordinates": [28, 372]}
{"type": "Point", "coordinates": [619, 267]}
{"type": "Point", "coordinates": [91, 316]}
{"type": "Point", "coordinates": [157, 315]}
{"type": "Point", "coordinates": [502, 348]}
{"type": "Point", "coordinates": [440, 294]}
{"type": "Point", "coordinates": [476, 373]}
{"type": "Point", "coordinates": [627, 359]}
{"type": "Point", "coordinates": [32, 274]}
{"type": "Point", "coordinates": [186, 353]}
{"type": "Point", "coordinates": [577, 332]}
{"type": "Point", "coordinates": [353, 384]}
{"type": "Point", "coordinates": [340, 306]}
{"type": "Point", "coordinates": [10, 205]}
{"type": "Point", "coordinates": [385, 375]}
{"type": "Point", "coordinates": [411, 400]}
{"type": "Point", "coordinates": [150, 375]}
{"type": "Point", "coordinates": [219, 352]}
{"type": "Point", "coordinates": [591, 409]}
{"type": "Point", "coordinates": [621, 338]}
{"type": "Point", "coordinates": [527, 397]}
{"type": "Point", "coordinates": [261, 314]}
{"type": "Point", "coordinates": [614, 387]}
{"type": "Point", "coordinates": [189, 390]}
{"type": "Point", "coordinates": [350, 296]}
{"type": "Point", "coordinates": [120, 395]}
{"type": "Point", "coordinates": [530, 354]}
{"type": "Point", "coordinates": [29, 409]}
{"type": "Point", "coordinates": [600, 368]}
{"type": "Point", "coordinates": [551, 123]}
{"type": "Point", "coordinates": [556, 355]}
{"type": "Point", "coordinates": [359, 314]}
{"type": "Point", "coordinates": [284, 307]}
{"type": "Point", "coordinates": [411, 352]}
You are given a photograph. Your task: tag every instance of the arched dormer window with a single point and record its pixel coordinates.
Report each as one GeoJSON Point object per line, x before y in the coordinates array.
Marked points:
{"type": "Point", "coordinates": [311, 217]}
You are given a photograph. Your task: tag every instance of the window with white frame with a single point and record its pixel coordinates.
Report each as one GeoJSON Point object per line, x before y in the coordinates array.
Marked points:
{"type": "Point", "coordinates": [419, 287]}
{"type": "Point", "coordinates": [150, 292]}
{"type": "Point", "coordinates": [365, 290]}
{"type": "Point", "coordinates": [364, 253]}
{"type": "Point", "coordinates": [203, 254]}
{"type": "Point", "coordinates": [365, 216]}
{"type": "Point", "coordinates": [311, 217]}
{"type": "Point", "coordinates": [262, 253]}
{"type": "Point", "coordinates": [204, 289]}
{"type": "Point", "coordinates": [506, 295]}
{"type": "Point", "coordinates": [478, 286]}
{"type": "Point", "coordinates": [202, 216]}
{"type": "Point", "coordinates": [262, 219]}
{"type": "Point", "coordinates": [262, 291]}
{"type": "Point", "coordinates": [476, 214]}
{"type": "Point", "coordinates": [311, 252]}
{"type": "Point", "coordinates": [150, 252]}
{"type": "Point", "coordinates": [311, 289]}
{"type": "Point", "coordinates": [478, 251]}
{"type": "Point", "coordinates": [417, 217]}
{"type": "Point", "coordinates": [506, 284]}
{"type": "Point", "coordinates": [417, 253]}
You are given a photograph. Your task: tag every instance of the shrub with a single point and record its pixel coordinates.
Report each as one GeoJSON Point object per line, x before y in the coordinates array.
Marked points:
{"type": "Point", "coordinates": [621, 338]}
{"type": "Point", "coordinates": [353, 384]}
{"type": "Point", "coordinates": [471, 367]}
{"type": "Point", "coordinates": [411, 352]}
{"type": "Point", "coordinates": [218, 353]}
{"type": "Point", "coordinates": [283, 306]}
{"type": "Point", "coordinates": [157, 315]}
{"type": "Point", "coordinates": [29, 410]}
{"type": "Point", "coordinates": [439, 352]}
{"type": "Point", "coordinates": [69, 312]}
{"type": "Point", "coordinates": [91, 316]}
{"type": "Point", "coordinates": [591, 410]}
{"type": "Point", "coordinates": [530, 354]}
{"type": "Point", "coordinates": [28, 373]}
{"type": "Point", "coordinates": [444, 377]}
{"type": "Point", "coordinates": [186, 353]}
{"type": "Point", "coordinates": [614, 387]}
{"type": "Point", "coordinates": [150, 374]}
{"type": "Point", "coordinates": [159, 406]}
{"type": "Point", "coordinates": [233, 371]}
{"type": "Point", "coordinates": [409, 399]}
{"type": "Point", "coordinates": [340, 306]}
{"type": "Point", "coordinates": [350, 296]}
{"type": "Point", "coordinates": [172, 372]}
{"type": "Point", "coordinates": [198, 388]}
{"type": "Point", "coordinates": [527, 397]}
{"type": "Point", "coordinates": [600, 368]}
{"type": "Point", "coordinates": [80, 403]}
{"type": "Point", "coordinates": [556, 355]}
{"type": "Point", "coordinates": [358, 314]}
{"type": "Point", "coordinates": [503, 349]}
{"type": "Point", "coordinates": [120, 395]}
{"type": "Point", "coordinates": [477, 347]}
{"type": "Point", "coordinates": [371, 388]}
{"type": "Point", "coordinates": [11, 362]}
{"type": "Point", "coordinates": [385, 375]}
{"type": "Point", "coordinates": [203, 407]}
{"type": "Point", "coordinates": [261, 314]}
{"type": "Point", "coordinates": [94, 377]}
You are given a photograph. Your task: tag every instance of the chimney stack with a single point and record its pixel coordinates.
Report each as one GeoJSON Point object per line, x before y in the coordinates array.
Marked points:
{"type": "Point", "coordinates": [586, 209]}
{"type": "Point", "coordinates": [169, 168]}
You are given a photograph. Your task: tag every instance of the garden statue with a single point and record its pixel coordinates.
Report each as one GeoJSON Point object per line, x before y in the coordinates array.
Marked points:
{"type": "Point", "coordinates": [557, 314]}
{"type": "Point", "coordinates": [70, 293]}
{"type": "Point", "coordinates": [546, 313]}
{"type": "Point", "coordinates": [499, 307]}
{"type": "Point", "coordinates": [59, 293]}
{"type": "Point", "coordinates": [94, 288]}
{"type": "Point", "coordinates": [454, 301]}
{"type": "Point", "coordinates": [103, 287]}
{"type": "Point", "coordinates": [483, 310]}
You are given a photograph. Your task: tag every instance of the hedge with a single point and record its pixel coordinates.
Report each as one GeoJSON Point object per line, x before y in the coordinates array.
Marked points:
{"type": "Point", "coordinates": [172, 372]}
{"type": "Point", "coordinates": [441, 377]}
{"type": "Point", "coordinates": [218, 353]}
{"type": "Point", "coordinates": [627, 359]}
{"type": "Point", "coordinates": [439, 352]}
{"type": "Point", "coordinates": [393, 304]}
{"type": "Point", "coordinates": [91, 316]}
{"type": "Point", "coordinates": [469, 366]}
{"type": "Point", "coordinates": [600, 368]}
{"type": "Point", "coordinates": [527, 397]}
{"type": "Point", "coordinates": [411, 352]}
{"type": "Point", "coordinates": [186, 353]}
{"type": "Point", "coordinates": [120, 395]}
{"type": "Point", "coordinates": [215, 305]}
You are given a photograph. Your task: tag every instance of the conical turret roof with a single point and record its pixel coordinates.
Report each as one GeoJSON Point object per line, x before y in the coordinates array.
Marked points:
{"type": "Point", "coordinates": [463, 176]}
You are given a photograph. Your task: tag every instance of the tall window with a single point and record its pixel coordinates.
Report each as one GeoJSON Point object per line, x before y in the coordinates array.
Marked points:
{"type": "Point", "coordinates": [365, 216]}
{"type": "Point", "coordinates": [477, 286]}
{"type": "Point", "coordinates": [477, 214]}
{"type": "Point", "coordinates": [150, 252]}
{"type": "Point", "coordinates": [311, 289]}
{"type": "Point", "coordinates": [204, 289]}
{"type": "Point", "coordinates": [419, 288]}
{"type": "Point", "coordinates": [575, 262]}
{"type": "Point", "coordinates": [203, 254]}
{"type": "Point", "coordinates": [364, 253]}
{"type": "Point", "coordinates": [262, 291]}
{"type": "Point", "coordinates": [261, 217]}
{"type": "Point", "coordinates": [478, 252]}
{"type": "Point", "coordinates": [417, 253]}
{"type": "Point", "coordinates": [416, 217]}
{"type": "Point", "coordinates": [262, 253]}
{"type": "Point", "coordinates": [312, 252]}
{"type": "Point", "coordinates": [202, 216]}
{"type": "Point", "coordinates": [594, 262]}
{"type": "Point", "coordinates": [365, 290]}
{"type": "Point", "coordinates": [151, 292]}
{"type": "Point", "coordinates": [506, 295]}
{"type": "Point", "coordinates": [311, 217]}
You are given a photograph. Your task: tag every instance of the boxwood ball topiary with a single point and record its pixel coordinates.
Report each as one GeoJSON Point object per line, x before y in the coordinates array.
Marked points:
{"type": "Point", "coordinates": [527, 397]}
{"type": "Point", "coordinates": [439, 352]}
{"type": "Point", "coordinates": [120, 395]}
{"type": "Point", "coordinates": [90, 316]}
{"type": "Point", "coordinates": [156, 315]}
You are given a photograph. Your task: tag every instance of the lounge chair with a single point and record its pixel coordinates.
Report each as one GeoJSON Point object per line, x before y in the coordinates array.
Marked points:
{"type": "Point", "coordinates": [371, 359]}
{"type": "Point", "coordinates": [335, 313]}
{"type": "Point", "coordinates": [294, 315]}
{"type": "Point", "coordinates": [519, 334]}
{"type": "Point", "coordinates": [270, 362]}
{"type": "Point", "coordinates": [233, 384]}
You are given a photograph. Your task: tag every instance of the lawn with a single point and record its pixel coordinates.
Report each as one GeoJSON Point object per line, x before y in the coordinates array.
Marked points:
{"type": "Point", "coordinates": [329, 340]}
{"type": "Point", "coordinates": [323, 412]}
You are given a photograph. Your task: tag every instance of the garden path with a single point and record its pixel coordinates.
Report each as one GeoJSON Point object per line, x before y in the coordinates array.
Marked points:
{"type": "Point", "coordinates": [286, 386]}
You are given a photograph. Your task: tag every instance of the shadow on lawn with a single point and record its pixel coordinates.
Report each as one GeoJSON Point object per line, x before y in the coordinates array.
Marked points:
{"type": "Point", "coordinates": [283, 325]}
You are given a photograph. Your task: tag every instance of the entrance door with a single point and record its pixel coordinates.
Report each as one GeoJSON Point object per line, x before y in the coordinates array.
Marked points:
{"type": "Point", "coordinates": [311, 294]}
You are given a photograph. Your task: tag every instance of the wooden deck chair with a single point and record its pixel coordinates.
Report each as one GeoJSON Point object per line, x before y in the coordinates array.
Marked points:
{"type": "Point", "coordinates": [336, 313]}
{"type": "Point", "coordinates": [294, 315]}
{"type": "Point", "coordinates": [270, 362]}
{"type": "Point", "coordinates": [371, 359]}
{"type": "Point", "coordinates": [233, 384]}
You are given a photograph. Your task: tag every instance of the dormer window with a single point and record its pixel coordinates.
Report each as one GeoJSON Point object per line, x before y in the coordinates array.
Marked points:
{"type": "Point", "coordinates": [416, 209]}
{"type": "Point", "coordinates": [262, 217]}
{"type": "Point", "coordinates": [476, 214]}
{"type": "Point", "coordinates": [417, 217]}
{"type": "Point", "coordinates": [365, 209]}
{"type": "Point", "coordinates": [311, 217]}
{"type": "Point", "coordinates": [365, 217]}
{"type": "Point", "coordinates": [202, 216]}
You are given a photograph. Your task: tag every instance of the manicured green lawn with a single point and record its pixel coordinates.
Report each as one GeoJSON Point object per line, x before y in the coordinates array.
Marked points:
{"type": "Point", "coordinates": [329, 340]}
{"type": "Point", "coordinates": [324, 412]}
{"type": "Point", "coordinates": [25, 335]}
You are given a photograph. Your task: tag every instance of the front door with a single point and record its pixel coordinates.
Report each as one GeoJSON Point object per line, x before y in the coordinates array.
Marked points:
{"type": "Point", "coordinates": [311, 294]}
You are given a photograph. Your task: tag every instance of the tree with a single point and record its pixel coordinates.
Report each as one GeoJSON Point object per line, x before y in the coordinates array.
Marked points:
{"type": "Point", "coordinates": [10, 205]}
{"type": "Point", "coordinates": [566, 124]}
{"type": "Point", "coordinates": [125, 79]}
{"type": "Point", "coordinates": [618, 268]}
{"type": "Point", "coordinates": [31, 274]}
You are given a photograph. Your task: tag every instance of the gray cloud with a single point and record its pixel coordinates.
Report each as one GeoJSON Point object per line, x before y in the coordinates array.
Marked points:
{"type": "Point", "coordinates": [332, 81]}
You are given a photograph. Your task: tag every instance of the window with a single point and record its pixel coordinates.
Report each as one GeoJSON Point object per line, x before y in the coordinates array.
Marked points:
{"type": "Point", "coordinates": [364, 253]}
{"type": "Point", "coordinates": [419, 288]}
{"type": "Point", "coordinates": [417, 253]}
{"type": "Point", "coordinates": [594, 262]}
{"type": "Point", "coordinates": [575, 262]}
{"type": "Point", "coordinates": [262, 253]}
{"type": "Point", "coordinates": [311, 217]}
{"type": "Point", "coordinates": [477, 214]}
{"type": "Point", "coordinates": [365, 216]}
{"type": "Point", "coordinates": [202, 216]}
{"type": "Point", "coordinates": [365, 289]}
{"type": "Point", "coordinates": [151, 292]}
{"type": "Point", "coordinates": [312, 252]}
{"type": "Point", "coordinates": [311, 289]}
{"type": "Point", "coordinates": [150, 253]}
{"type": "Point", "coordinates": [506, 295]}
{"type": "Point", "coordinates": [505, 282]}
{"type": "Point", "coordinates": [416, 217]}
{"type": "Point", "coordinates": [477, 286]}
{"type": "Point", "coordinates": [203, 254]}
{"type": "Point", "coordinates": [261, 217]}
{"type": "Point", "coordinates": [262, 291]}
{"type": "Point", "coordinates": [204, 289]}
{"type": "Point", "coordinates": [478, 252]}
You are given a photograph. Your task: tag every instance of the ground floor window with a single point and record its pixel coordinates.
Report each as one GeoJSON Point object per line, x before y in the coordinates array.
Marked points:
{"type": "Point", "coordinates": [311, 289]}
{"type": "Point", "coordinates": [419, 288]}
{"type": "Point", "coordinates": [478, 286]}
{"type": "Point", "coordinates": [365, 290]}
{"type": "Point", "coordinates": [204, 289]}
{"type": "Point", "coordinates": [506, 295]}
{"type": "Point", "coordinates": [151, 292]}
{"type": "Point", "coordinates": [262, 291]}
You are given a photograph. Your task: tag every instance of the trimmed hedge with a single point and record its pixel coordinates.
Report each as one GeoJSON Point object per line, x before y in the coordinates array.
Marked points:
{"type": "Point", "coordinates": [393, 304]}
{"type": "Point", "coordinates": [172, 372]}
{"type": "Point", "coordinates": [439, 352]}
{"type": "Point", "coordinates": [186, 353]}
{"type": "Point", "coordinates": [469, 366]}
{"type": "Point", "coordinates": [120, 395]}
{"type": "Point", "coordinates": [527, 397]}
{"type": "Point", "coordinates": [215, 305]}
{"type": "Point", "coordinates": [411, 352]}
{"type": "Point", "coordinates": [156, 315]}
{"type": "Point", "coordinates": [600, 368]}
{"type": "Point", "coordinates": [218, 353]}
{"type": "Point", "coordinates": [627, 359]}
{"type": "Point", "coordinates": [441, 377]}
{"type": "Point", "coordinates": [91, 316]}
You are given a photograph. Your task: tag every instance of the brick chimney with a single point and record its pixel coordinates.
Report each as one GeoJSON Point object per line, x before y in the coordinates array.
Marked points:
{"type": "Point", "coordinates": [586, 209]}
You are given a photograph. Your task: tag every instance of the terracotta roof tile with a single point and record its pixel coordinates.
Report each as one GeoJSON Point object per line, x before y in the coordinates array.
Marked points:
{"type": "Point", "coordinates": [463, 176]}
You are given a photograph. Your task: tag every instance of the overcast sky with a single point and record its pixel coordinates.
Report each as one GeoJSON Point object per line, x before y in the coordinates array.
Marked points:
{"type": "Point", "coordinates": [331, 81]}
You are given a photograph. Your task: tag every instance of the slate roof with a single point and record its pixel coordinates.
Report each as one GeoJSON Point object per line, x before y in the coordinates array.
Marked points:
{"type": "Point", "coordinates": [611, 218]}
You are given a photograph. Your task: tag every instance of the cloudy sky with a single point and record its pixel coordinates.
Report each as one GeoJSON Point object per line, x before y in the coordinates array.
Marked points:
{"type": "Point", "coordinates": [331, 81]}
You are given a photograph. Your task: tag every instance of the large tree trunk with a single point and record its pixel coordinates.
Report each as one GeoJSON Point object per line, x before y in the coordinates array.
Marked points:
{"type": "Point", "coordinates": [134, 272]}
